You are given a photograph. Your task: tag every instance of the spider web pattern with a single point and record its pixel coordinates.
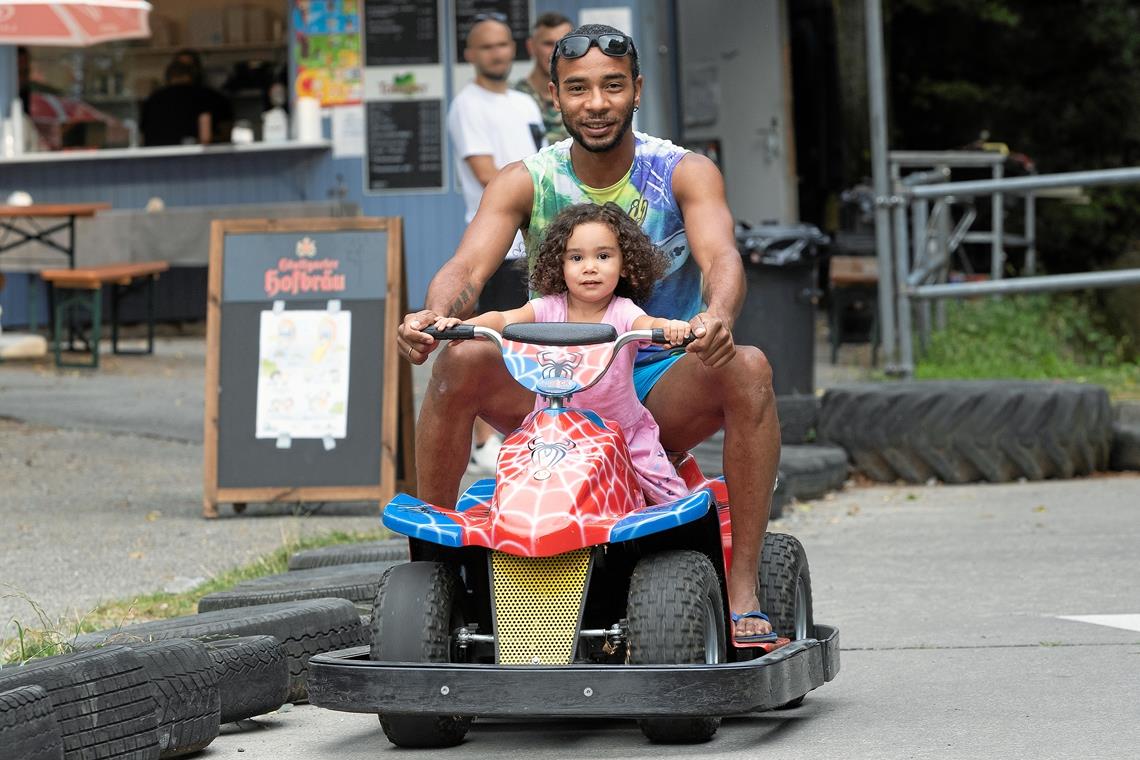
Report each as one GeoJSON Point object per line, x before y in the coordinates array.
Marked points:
{"type": "Point", "coordinates": [574, 366]}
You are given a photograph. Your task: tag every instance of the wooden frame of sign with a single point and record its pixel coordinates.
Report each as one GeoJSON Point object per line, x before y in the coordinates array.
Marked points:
{"type": "Point", "coordinates": [395, 465]}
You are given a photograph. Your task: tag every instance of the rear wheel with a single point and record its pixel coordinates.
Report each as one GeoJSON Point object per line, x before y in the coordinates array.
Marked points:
{"type": "Point", "coordinates": [416, 609]}
{"type": "Point", "coordinates": [785, 590]}
{"type": "Point", "coordinates": [676, 617]}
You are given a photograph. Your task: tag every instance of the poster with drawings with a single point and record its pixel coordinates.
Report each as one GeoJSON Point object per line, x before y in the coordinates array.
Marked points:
{"type": "Point", "coordinates": [302, 378]}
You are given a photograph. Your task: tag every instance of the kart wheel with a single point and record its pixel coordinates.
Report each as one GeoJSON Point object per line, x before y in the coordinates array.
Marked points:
{"type": "Point", "coordinates": [676, 617]}
{"type": "Point", "coordinates": [785, 590]}
{"type": "Point", "coordinates": [416, 609]}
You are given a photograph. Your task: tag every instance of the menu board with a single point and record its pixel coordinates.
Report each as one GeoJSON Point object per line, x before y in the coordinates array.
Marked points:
{"type": "Point", "coordinates": [518, 14]}
{"type": "Point", "coordinates": [405, 148]}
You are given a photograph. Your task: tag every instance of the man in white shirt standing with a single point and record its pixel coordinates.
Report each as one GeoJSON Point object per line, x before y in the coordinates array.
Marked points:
{"type": "Point", "coordinates": [492, 125]}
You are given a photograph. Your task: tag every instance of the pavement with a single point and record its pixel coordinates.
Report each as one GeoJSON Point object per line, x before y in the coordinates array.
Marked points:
{"type": "Point", "coordinates": [952, 602]}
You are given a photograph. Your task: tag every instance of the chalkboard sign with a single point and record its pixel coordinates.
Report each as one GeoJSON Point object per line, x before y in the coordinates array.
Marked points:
{"type": "Point", "coordinates": [405, 144]}
{"type": "Point", "coordinates": [401, 33]}
{"type": "Point", "coordinates": [304, 399]}
{"type": "Point", "coordinates": [516, 11]}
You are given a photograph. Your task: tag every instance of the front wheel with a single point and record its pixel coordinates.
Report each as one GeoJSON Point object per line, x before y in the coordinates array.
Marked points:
{"type": "Point", "coordinates": [416, 609]}
{"type": "Point", "coordinates": [676, 617]}
{"type": "Point", "coordinates": [785, 590]}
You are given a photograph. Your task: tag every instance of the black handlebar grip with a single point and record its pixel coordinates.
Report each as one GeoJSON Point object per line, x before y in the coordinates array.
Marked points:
{"type": "Point", "coordinates": [659, 337]}
{"type": "Point", "coordinates": [459, 332]}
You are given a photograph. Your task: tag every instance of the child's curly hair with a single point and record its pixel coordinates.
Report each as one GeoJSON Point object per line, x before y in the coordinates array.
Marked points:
{"type": "Point", "coordinates": [643, 263]}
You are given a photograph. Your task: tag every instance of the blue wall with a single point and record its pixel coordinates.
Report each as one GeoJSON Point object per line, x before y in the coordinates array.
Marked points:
{"type": "Point", "coordinates": [433, 223]}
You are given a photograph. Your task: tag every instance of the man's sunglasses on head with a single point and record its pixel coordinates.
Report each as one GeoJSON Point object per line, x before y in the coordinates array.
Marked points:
{"type": "Point", "coordinates": [577, 45]}
{"type": "Point", "coordinates": [490, 16]}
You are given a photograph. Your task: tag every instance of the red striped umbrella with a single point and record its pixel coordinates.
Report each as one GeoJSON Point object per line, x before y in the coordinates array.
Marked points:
{"type": "Point", "coordinates": [72, 23]}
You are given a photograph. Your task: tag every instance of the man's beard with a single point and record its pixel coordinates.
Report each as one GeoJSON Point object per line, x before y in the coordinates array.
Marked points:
{"type": "Point", "coordinates": [496, 76]}
{"type": "Point", "coordinates": [626, 123]}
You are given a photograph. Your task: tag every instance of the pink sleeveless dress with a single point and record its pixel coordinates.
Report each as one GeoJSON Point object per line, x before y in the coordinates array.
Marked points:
{"type": "Point", "coordinates": [614, 398]}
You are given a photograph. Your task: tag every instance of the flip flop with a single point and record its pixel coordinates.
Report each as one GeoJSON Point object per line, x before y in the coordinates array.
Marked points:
{"type": "Point", "coordinates": [756, 638]}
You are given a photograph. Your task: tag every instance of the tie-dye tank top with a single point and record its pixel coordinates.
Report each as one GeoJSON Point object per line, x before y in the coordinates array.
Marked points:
{"type": "Point", "coordinates": [647, 197]}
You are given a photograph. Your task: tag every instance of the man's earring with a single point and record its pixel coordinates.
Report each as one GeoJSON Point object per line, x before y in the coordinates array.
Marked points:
{"type": "Point", "coordinates": [635, 108]}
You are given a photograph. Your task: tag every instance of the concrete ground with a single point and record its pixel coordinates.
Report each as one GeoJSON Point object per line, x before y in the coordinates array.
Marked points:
{"type": "Point", "coordinates": [950, 600]}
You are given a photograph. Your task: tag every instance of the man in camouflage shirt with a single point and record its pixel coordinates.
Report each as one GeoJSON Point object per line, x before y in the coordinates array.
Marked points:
{"type": "Point", "coordinates": [548, 29]}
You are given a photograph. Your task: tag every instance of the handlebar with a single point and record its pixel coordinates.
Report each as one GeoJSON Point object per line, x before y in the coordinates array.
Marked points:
{"type": "Point", "coordinates": [468, 332]}
{"type": "Point", "coordinates": [659, 337]}
{"type": "Point", "coordinates": [459, 332]}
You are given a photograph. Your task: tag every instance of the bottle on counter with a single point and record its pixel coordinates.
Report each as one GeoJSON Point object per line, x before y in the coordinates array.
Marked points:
{"type": "Point", "coordinates": [275, 121]}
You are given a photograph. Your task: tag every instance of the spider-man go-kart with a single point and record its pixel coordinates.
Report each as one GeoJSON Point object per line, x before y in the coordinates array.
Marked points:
{"type": "Point", "coordinates": [554, 590]}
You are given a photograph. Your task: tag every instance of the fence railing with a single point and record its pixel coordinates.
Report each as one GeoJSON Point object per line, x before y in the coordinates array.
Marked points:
{"type": "Point", "coordinates": [914, 270]}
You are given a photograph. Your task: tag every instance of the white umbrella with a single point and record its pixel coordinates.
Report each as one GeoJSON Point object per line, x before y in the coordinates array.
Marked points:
{"type": "Point", "coordinates": [72, 23]}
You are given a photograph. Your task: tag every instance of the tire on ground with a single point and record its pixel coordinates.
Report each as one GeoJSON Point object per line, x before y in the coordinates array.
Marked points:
{"type": "Point", "coordinates": [186, 688]}
{"type": "Point", "coordinates": [357, 583]}
{"type": "Point", "coordinates": [417, 607]}
{"type": "Point", "coordinates": [253, 675]}
{"type": "Point", "coordinates": [304, 628]}
{"type": "Point", "coordinates": [349, 554]}
{"type": "Point", "coordinates": [785, 590]}
{"type": "Point", "coordinates": [1125, 447]}
{"type": "Point", "coordinates": [28, 726]}
{"type": "Point", "coordinates": [812, 471]}
{"type": "Point", "coordinates": [965, 431]}
{"type": "Point", "coordinates": [676, 616]}
{"type": "Point", "coordinates": [799, 415]}
{"type": "Point", "coordinates": [103, 702]}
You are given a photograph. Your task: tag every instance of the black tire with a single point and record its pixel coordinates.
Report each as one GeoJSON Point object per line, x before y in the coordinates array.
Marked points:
{"type": "Point", "coordinates": [964, 431]}
{"type": "Point", "coordinates": [103, 702]}
{"type": "Point", "coordinates": [676, 616]}
{"type": "Point", "coordinates": [799, 415]}
{"type": "Point", "coordinates": [304, 628]}
{"type": "Point", "coordinates": [186, 688]}
{"type": "Point", "coordinates": [357, 583]}
{"type": "Point", "coordinates": [416, 610]}
{"type": "Point", "coordinates": [253, 676]}
{"type": "Point", "coordinates": [812, 471]}
{"type": "Point", "coordinates": [785, 590]}
{"type": "Point", "coordinates": [392, 550]}
{"type": "Point", "coordinates": [28, 726]}
{"type": "Point", "coordinates": [1125, 447]}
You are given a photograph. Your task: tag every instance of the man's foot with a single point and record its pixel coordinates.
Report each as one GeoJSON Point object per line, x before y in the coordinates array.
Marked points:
{"type": "Point", "coordinates": [747, 619]}
{"type": "Point", "coordinates": [485, 456]}
{"type": "Point", "coordinates": [759, 638]}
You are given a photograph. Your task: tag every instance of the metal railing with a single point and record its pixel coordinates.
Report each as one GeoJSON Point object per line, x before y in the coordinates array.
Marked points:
{"type": "Point", "coordinates": [916, 265]}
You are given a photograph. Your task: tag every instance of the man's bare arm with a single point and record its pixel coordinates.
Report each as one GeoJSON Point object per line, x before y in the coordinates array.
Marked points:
{"type": "Point", "coordinates": [699, 189]}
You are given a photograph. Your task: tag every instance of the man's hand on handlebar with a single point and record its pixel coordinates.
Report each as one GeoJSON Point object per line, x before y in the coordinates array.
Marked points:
{"type": "Point", "coordinates": [413, 344]}
{"type": "Point", "coordinates": [713, 346]}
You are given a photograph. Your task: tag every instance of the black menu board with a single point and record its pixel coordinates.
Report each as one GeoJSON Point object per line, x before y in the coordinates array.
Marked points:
{"type": "Point", "coordinates": [405, 144]}
{"type": "Point", "coordinates": [401, 33]}
{"type": "Point", "coordinates": [517, 13]}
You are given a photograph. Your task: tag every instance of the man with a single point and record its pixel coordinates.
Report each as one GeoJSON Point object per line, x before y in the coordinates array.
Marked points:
{"type": "Point", "coordinates": [185, 111]}
{"type": "Point", "coordinates": [491, 125]}
{"type": "Point", "coordinates": [548, 29]}
{"type": "Point", "coordinates": [678, 198]}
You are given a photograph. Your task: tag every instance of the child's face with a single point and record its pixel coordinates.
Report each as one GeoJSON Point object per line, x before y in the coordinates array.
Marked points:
{"type": "Point", "coordinates": [592, 262]}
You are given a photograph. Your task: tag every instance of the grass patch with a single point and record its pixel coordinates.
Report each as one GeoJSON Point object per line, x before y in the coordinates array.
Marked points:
{"type": "Point", "coordinates": [1030, 337]}
{"type": "Point", "coordinates": [48, 637]}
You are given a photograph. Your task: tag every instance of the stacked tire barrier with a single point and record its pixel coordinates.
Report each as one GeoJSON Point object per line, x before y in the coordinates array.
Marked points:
{"type": "Point", "coordinates": [357, 582]}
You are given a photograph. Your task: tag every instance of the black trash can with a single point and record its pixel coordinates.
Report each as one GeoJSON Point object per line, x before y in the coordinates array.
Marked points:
{"type": "Point", "coordinates": [780, 266]}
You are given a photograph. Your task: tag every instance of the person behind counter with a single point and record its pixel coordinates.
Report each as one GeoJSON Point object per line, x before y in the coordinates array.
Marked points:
{"type": "Point", "coordinates": [185, 111]}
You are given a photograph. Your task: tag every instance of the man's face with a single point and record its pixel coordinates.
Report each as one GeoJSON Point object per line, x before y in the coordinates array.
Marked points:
{"type": "Point", "coordinates": [541, 45]}
{"type": "Point", "coordinates": [490, 49]}
{"type": "Point", "coordinates": [596, 95]}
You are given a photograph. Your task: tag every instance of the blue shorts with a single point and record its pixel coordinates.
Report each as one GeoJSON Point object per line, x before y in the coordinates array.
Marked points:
{"type": "Point", "coordinates": [647, 373]}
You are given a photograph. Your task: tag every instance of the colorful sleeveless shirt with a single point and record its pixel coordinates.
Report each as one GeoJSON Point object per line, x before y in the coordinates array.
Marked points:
{"type": "Point", "coordinates": [646, 194]}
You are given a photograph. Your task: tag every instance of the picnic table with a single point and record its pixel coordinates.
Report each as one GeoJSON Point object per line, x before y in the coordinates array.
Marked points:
{"type": "Point", "coordinates": [23, 223]}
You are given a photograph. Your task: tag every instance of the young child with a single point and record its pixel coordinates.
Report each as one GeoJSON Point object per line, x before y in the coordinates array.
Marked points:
{"type": "Point", "coordinates": [594, 265]}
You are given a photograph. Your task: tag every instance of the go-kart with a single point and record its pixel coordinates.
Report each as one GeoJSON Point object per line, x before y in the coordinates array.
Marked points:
{"type": "Point", "coordinates": [554, 590]}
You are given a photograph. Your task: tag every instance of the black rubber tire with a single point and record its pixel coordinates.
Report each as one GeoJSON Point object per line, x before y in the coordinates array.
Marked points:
{"type": "Point", "coordinates": [1125, 447]}
{"type": "Point", "coordinates": [799, 415]}
{"type": "Point", "coordinates": [673, 597]}
{"type": "Point", "coordinates": [417, 607]}
{"type": "Point", "coordinates": [392, 550]}
{"type": "Point", "coordinates": [253, 675]}
{"type": "Point", "coordinates": [28, 726]}
{"type": "Point", "coordinates": [812, 471]}
{"type": "Point", "coordinates": [965, 431]}
{"type": "Point", "coordinates": [186, 688]}
{"type": "Point", "coordinates": [304, 628]}
{"type": "Point", "coordinates": [784, 570]}
{"type": "Point", "coordinates": [103, 702]}
{"type": "Point", "coordinates": [357, 583]}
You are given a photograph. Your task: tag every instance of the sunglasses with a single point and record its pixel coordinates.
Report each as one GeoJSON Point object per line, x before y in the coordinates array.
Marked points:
{"type": "Point", "coordinates": [577, 45]}
{"type": "Point", "coordinates": [490, 16]}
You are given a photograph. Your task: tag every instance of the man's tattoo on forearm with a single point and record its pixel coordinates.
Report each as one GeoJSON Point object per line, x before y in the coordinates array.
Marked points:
{"type": "Point", "coordinates": [461, 301]}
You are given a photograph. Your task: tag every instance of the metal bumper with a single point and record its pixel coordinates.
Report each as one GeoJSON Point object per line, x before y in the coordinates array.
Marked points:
{"type": "Point", "coordinates": [347, 680]}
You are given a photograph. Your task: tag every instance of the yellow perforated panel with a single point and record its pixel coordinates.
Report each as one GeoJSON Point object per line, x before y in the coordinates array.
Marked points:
{"type": "Point", "coordinates": [537, 603]}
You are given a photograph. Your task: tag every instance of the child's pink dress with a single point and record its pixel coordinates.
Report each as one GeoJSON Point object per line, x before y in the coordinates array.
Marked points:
{"type": "Point", "coordinates": [614, 398]}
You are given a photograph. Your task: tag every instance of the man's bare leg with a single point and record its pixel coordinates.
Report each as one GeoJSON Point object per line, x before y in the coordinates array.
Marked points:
{"type": "Point", "coordinates": [467, 380]}
{"type": "Point", "coordinates": [690, 403]}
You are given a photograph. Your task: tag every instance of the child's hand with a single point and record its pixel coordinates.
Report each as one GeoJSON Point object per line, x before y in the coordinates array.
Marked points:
{"type": "Point", "coordinates": [675, 331]}
{"type": "Point", "coordinates": [444, 323]}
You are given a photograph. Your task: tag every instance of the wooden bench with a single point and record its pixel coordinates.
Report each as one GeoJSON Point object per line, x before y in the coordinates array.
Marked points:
{"type": "Point", "coordinates": [854, 281]}
{"type": "Point", "coordinates": [83, 288]}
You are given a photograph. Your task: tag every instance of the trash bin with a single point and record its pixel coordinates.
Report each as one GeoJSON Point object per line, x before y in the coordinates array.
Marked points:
{"type": "Point", "coordinates": [780, 266]}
